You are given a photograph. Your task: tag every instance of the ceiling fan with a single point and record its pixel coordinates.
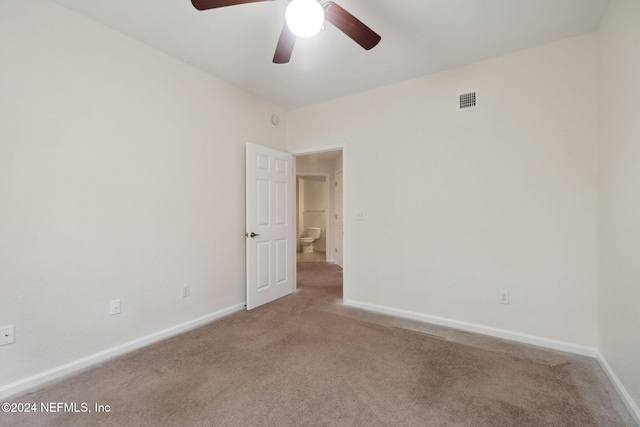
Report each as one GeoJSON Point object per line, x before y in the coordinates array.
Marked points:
{"type": "Point", "coordinates": [292, 29]}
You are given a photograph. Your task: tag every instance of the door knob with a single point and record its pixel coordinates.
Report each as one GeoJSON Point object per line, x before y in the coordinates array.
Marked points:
{"type": "Point", "coordinates": [252, 235]}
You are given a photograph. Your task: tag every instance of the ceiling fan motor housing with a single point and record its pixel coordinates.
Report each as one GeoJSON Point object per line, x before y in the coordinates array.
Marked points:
{"type": "Point", "coordinates": [315, 14]}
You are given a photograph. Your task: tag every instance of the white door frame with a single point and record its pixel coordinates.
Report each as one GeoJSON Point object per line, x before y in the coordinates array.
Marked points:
{"type": "Point", "coordinates": [328, 210]}
{"type": "Point", "coordinates": [335, 215]}
{"type": "Point", "coordinates": [345, 206]}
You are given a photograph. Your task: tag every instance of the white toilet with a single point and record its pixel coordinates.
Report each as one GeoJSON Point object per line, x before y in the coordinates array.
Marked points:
{"type": "Point", "coordinates": [313, 233]}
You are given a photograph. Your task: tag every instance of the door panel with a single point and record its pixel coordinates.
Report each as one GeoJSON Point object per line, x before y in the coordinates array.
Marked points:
{"type": "Point", "coordinates": [281, 261]}
{"type": "Point", "coordinates": [262, 202]}
{"type": "Point", "coordinates": [262, 265]}
{"type": "Point", "coordinates": [270, 229]}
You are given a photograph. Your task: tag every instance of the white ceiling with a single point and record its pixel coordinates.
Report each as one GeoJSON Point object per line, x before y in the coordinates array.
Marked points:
{"type": "Point", "coordinates": [321, 157]}
{"type": "Point", "coordinates": [419, 37]}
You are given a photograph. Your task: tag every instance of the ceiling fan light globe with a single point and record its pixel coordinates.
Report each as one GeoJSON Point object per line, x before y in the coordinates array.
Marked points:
{"type": "Point", "coordinates": [304, 17]}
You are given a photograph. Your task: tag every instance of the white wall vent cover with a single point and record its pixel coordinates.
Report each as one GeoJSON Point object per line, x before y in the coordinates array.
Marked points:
{"type": "Point", "coordinates": [468, 100]}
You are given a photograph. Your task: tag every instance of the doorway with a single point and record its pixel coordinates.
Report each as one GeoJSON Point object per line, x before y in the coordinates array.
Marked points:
{"type": "Point", "coordinates": [319, 204]}
{"type": "Point", "coordinates": [313, 213]}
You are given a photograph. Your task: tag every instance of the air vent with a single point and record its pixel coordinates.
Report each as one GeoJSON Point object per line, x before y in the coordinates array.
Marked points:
{"type": "Point", "coordinates": [468, 100]}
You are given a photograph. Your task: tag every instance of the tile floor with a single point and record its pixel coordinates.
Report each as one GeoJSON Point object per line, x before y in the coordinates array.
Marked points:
{"type": "Point", "coordinates": [312, 257]}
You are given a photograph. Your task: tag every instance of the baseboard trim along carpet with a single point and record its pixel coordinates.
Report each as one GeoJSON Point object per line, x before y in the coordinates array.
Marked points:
{"type": "Point", "coordinates": [42, 378]}
{"type": "Point", "coordinates": [617, 384]}
{"type": "Point", "coordinates": [479, 329]}
{"type": "Point", "coordinates": [512, 336]}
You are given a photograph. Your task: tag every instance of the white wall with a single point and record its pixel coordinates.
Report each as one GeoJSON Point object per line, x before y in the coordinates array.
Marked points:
{"type": "Point", "coordinates": [619, 190]}
{"type": "Point", "coordinates": [311, 163]}
{"type": "Point", "coordinates": [461, 205]}
{"type": "Point", "coordinates": [121, 176]}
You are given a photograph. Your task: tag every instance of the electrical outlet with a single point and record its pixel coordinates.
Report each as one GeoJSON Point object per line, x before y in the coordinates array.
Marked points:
{"type": "Point", "coordinates": [360, 216]}
{"type": "Point", "coordinates": [186, 290]}
{"type": "Point", "coordinates": [7, 335]}
{"type": "Point", "coordinates": [504, 297]}
{"type": "Point", "coordinates": [115, 307]}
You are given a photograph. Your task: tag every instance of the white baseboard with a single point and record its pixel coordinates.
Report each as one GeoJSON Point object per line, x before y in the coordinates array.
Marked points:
{"type": "Point", "coordinates": [622, 391]}
{"type": "Point", "coordinates": [42, 378]}
{"type": "Point", "coordinates": [626, 398]}
{"type": "Point", "coordinates": [479, 329]}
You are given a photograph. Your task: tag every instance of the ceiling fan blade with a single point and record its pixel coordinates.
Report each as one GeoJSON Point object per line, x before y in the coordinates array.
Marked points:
{"type": "Point", "coordinates": [351, 26]}
{"type": "Point", "coordinates": [285, 46]}
{"type": "Point", "coordinates": [212, 4]}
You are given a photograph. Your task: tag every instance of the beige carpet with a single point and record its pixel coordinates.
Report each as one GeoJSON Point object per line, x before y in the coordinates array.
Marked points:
{"type": "Point", "coordinates": [306, 360]}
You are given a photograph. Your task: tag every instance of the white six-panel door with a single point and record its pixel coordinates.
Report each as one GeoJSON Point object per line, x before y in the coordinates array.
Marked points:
{"type": "Point", "coordinates": [270, 195]}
